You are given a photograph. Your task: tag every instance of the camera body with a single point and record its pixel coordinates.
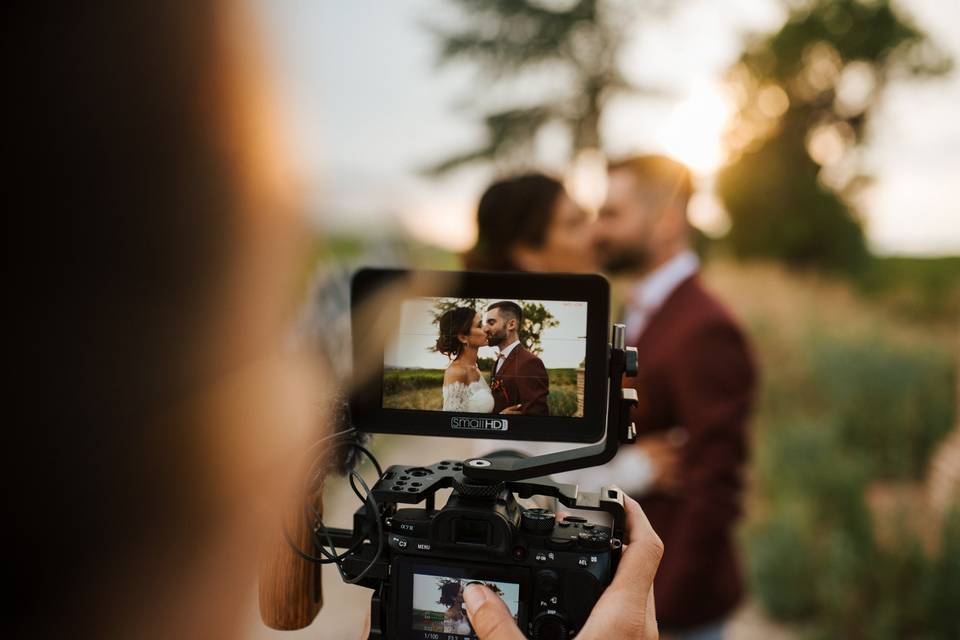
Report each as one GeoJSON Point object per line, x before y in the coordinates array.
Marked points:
{"type": "Point", "coordinates": [550, 573]}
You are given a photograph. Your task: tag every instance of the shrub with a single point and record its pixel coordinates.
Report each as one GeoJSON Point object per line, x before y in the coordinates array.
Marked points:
{"type": "Point", "coordinates": [562, 376]}
{"type": "Point", "coordinates": [812, 555]}
{"type": "Point", "coordinates": [892, 403]}
{"type": "Point", "coordinates": [562, 400]}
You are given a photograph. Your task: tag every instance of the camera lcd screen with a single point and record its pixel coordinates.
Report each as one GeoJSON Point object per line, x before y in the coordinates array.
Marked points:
{"type": "Point", "coordinates": [438, 605]}
{"type": "Point", "coordinates": [486, 355]}
{"type": "Point", "coordinates": [428, 596]}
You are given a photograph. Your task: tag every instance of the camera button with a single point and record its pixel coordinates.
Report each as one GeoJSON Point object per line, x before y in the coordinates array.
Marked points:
{"type": "Point", "coordinates": [550, 626]}
{"type": "Point", "coordinates": [547, 581]}
{"type": "Point", "coordinates": [574, 519]}
{"type": "Point", "coordinates": [560, 542]}
{"type": "Point", "coordinates": [597, 540]}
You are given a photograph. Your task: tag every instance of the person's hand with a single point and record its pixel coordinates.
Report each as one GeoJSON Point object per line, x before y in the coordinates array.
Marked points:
{"type": "Point", "coordinates": [625, 610]}
{"type": "Point", "coordinates": [514, 410]}
{"type": "Point", "coordinates": [663, 451]}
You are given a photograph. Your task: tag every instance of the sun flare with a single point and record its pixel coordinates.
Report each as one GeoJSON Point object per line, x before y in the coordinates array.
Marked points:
{"type": "Point", "coordinates": [694, 131]}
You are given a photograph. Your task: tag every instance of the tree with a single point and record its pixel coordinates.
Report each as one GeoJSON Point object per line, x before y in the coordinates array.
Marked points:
{"type": "Point", "coordinates": [536, 319]}
{"type": "Point", "coordinates": [806, 96]}
{"type": "Point", "coordinates": [510, 40]}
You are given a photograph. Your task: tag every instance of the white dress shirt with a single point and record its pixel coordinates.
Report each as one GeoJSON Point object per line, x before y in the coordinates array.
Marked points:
{"type": "Point", "coordinates": [504, 352]}
{"type": "Point", "coordinates": [649, 294]}
{"type": "Point", "coordinates": [632, 470]}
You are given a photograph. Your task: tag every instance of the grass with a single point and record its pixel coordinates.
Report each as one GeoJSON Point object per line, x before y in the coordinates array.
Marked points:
{"type": "Point", "coordinates": [854, 394]}
{"type": "Point", "coordinates": [422, 389]}
{"type": "Point", "coordinates": [917, 288]}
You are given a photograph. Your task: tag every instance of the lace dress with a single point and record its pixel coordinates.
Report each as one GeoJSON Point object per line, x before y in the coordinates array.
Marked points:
{"type": "Point", "coordinates": [468, 398]}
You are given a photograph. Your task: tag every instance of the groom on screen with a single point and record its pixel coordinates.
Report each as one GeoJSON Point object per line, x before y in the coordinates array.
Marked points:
{"type": "Point", "coordinates": [519, 382]}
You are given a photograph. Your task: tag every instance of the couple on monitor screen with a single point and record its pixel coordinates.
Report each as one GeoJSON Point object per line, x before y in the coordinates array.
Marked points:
{"type": "Point", "coordinates": [518, 384]}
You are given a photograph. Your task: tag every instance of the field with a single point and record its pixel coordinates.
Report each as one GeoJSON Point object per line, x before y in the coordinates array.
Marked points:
{"type": "Point", "coordinates": [422, 389]}
{"type": "Point", "coordinates": [857, 393]}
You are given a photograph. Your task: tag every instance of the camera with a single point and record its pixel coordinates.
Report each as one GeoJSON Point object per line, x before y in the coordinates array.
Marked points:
{"type": "Point", "coordinates": [502, 357]}
{"type": "Point", "coordinates": [548, 572]}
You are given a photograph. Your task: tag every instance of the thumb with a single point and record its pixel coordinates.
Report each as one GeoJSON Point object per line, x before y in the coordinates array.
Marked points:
{"type": "Point", "coordinates": [490, 617]}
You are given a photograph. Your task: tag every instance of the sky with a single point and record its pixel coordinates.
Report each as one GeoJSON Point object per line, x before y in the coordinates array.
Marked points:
{"type": "Point", "coordinates": [365, 108]}
{"type": "Point", "coordinates": [563, 346]}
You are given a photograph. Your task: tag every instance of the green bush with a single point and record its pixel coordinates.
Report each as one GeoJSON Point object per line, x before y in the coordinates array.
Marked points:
{"type": "Point", "coordinates": [809, 543]}
{"type": "Point", "coordinates": [894, 404]}
{"type": "Point", "coordinates": [562, 376]}
{"type": "Point", "coordinates": [562, 400]}
{"type": "Point", "coordinates": [812, 556]}
{"type": "Point", "coordinates": [918, 288]}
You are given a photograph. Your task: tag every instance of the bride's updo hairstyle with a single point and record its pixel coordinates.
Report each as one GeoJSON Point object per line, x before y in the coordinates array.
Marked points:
{"type": "Point", "coordinates": [513, 212]}
{"type": "Point", "coordinates": [454, 323]}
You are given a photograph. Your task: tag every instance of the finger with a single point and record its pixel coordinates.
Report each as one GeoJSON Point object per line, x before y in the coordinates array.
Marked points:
{"type": "Point", "coordinates": [623, 609]}
{"type": "Point", "coordinates": [640, 559]}
{"type": "Point", "coordinates": [366, 628]}
{"type": "Point", "coordinates": [652, 630]}
{"type": "Point", "coordinates": [490, 617]}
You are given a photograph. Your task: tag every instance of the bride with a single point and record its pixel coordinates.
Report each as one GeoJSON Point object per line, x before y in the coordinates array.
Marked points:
{"type": "Point", "coordinates": [461, 336]}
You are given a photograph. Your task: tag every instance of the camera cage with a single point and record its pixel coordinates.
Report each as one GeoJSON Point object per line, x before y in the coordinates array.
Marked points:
{"type": "Point", "coordinates": [488, 478]}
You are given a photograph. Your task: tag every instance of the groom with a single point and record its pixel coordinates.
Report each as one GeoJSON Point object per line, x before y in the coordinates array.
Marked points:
{"type": "Point", "coordinates": [519, 383]}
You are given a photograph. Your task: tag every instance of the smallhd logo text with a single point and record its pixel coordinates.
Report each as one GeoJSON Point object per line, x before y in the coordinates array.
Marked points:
{"type": "Point", "coordinates": [479, 424]}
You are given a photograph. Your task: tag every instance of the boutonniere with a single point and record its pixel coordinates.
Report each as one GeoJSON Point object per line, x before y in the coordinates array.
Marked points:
{"type": "Point", "coordinates": [497, 385]}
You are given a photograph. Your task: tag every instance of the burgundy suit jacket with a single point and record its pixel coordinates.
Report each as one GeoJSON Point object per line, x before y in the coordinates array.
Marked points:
{"type": "Point", "coordinates": [522, 379]}
{"type": "Point", "coordinates": [696, 372]}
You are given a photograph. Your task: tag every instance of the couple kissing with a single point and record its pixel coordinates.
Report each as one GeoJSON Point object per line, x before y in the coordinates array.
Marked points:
{"type": "Point", "coordinates": [518, 383]}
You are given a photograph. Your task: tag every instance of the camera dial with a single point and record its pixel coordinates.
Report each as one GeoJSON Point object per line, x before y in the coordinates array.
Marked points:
{"type": "Point", "coordinates": [537, 520]}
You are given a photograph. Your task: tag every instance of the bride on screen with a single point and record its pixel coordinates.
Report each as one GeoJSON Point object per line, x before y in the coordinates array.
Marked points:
{"type": "Point", "coordinates": [461, 336]}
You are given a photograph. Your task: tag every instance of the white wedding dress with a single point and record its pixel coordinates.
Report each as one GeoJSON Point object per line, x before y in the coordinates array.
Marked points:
{"type": "Point", "coordinates": [474, 397]}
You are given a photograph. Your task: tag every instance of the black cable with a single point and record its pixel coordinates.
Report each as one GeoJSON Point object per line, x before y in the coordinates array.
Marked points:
{"type": "Point", "coordinates": [379, 521]}
{"type": "Point", "coordinates": [373, 460]}
{"type": "Point", "coordinates": [331, 556]}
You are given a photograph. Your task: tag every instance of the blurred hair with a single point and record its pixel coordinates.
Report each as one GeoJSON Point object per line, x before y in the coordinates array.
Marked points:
{"type": "Point", "coordinates": [450, 594]}
{"type": "Point", "coordinates": [665, 177]}
{"type": "Point", "coordinates": [454, 323]}
{"type": "Point", "coordinates": [132, 157]}
{"type": "Point", "coordinates": [513, 212]}
{"type": "Point", "coordinates": [510, 310]}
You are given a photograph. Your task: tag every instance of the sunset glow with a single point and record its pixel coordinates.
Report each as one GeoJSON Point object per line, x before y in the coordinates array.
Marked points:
{"type": "Point", "coordinates": [694, 131]}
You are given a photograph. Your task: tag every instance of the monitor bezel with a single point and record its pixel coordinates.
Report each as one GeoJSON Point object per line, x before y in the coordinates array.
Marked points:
{"type": "Point", "coordinates": [367, 411]}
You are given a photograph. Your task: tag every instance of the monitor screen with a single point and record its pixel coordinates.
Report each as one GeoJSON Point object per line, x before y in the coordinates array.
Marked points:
{"type": "Point", "coordinates": [496, 356]}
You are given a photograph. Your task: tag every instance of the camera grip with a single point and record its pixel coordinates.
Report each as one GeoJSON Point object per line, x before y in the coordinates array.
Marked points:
{"type": "Point", "coordinates": [290, 589]}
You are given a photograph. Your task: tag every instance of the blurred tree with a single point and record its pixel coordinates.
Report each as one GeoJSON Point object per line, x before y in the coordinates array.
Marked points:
{"type": "Point", "coordinates": [806, 94]}
{"type": "Point", "coordinates": [536, 319]}
{"type": "Point", "coordinates": [509, 40]}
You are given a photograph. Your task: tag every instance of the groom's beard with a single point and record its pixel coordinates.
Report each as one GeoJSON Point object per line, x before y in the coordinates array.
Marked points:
{"type": "Point", "coordinates": [496, 339]}
{"type": "Point", "coordinates": [624, 260]}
